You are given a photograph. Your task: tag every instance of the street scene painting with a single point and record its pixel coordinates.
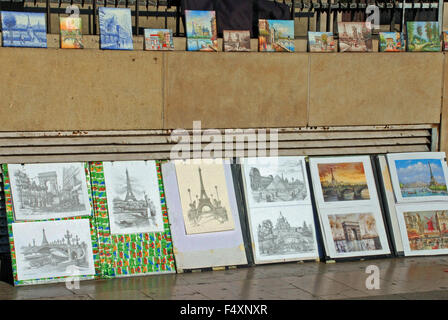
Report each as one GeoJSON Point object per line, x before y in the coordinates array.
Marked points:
{"type": "Point", "coordinates": [49, 191]}
{"type": "Point", "coordinates": [204, 197]}
{"type": "Point", "coordinates": [276, 182]}
{"type": "Point", "coordinates": [115, 28]}
{"type": "Point", "coordinates": [423, 36]}
{"type": "Point", "coordinates": [343, 181]}
{"type": "Point", "coordinates": [159, 39]}
{"type": "Point", "coordinates": [201, 30]}
{"type": "Point", "coordinates": [283, 233]}
{"type": "Point", "coordinates": [421, 178]}
{"type": "Point", "coordinates": [354, 37]}
{"type": "Point", "coordinates": [236, 40]}
{"type": "Point", "coordinates": [133, 197]}
{"type": "Point", "coordinates": [392, 42]}
{"type": "Point", "coordinates": [53, 249]}
{"type": "Point", "coordinates": [71, 33]}
{"type": "Point", "coordinates": [427, 230]}
{"type": "Point", "coordinates": [24, 29]}
{"type": "Point", "coordinates": [322, 42]}
{"type": "Point", "coordinates": [354, 232]}
{"type": "Point", "coordinates": [276, 35]}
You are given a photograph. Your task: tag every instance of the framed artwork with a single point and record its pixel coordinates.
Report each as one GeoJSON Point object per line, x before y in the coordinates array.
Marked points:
{"type": "Point", "coordinates": [24, 29]}
{"type": "Point", "coordinates": [322, 42]}
{"type": "Point", "coordinates": [424, 228]}
{"type": "Point", "coordinates": [423, 36]}
{"type": "Point", "coordinates": [49, 249]}
{"type": "Point", "coordinates": [132, 190]}
{"type": "Point", "coordinates": [115, 28]}
{"type": "Point", "coordinates": [49, 191]}
{"type": "Point", "coordinates": [418, 176]}
{"type": "Point", "coordinates": [392, 42]}
{"type": "Point", "coordinates": [201, 30]}
{"type": "Point", "coordinates": [71, 32]}
{"type": "Point", "coordinates": [159, 39]}
{"type": "Point", "coordinates": [276, 35]}
{"type": "Point", "coordinates": [354, 37]}
{"type": "Point", "coordinates": [343, 181]}
{"type": "Point", "coordinates": [236, 40]}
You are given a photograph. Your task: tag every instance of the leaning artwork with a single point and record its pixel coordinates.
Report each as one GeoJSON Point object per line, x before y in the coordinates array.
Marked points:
{"type": "Point", "coordinates": [201, 30]}
{"type": "Point", "coordinates": [71, 32]}
{"type": "Point", "coordinates": [24, 29]}
{"type": "Point", "coordinates": [392, 42]}
{"type": "Point", "coordinates": [276, 35]}
{"type": "Point", "coordinates": [133, 197]}
{"type": "Point", "coordinates": [423, 36]}
{"type": "Point", "coordinates": [236, 40]}
{"type": "Point", "coordinates": [322, 42]}
{"type": "Point", "coordinates": [354, 37]}
{"type": "Point", "coordinates": [159, 39]}
{"type": "Point", "coordinates": [204, 197]}
{"type": "Point", "coordinates": [115, 28]}
{"type": "Point", "coordinates": [53, 249]}
{"type": "Point", "coordinates": [49, 191]}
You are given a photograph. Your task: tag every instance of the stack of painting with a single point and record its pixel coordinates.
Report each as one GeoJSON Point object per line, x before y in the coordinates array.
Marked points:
{"type": "Point", "coordinates": [279, 209]}
{"type": "Point", "coordinates": [348, 207]}
{"type": "Point", "coordinates": [420, 207]}
{"type": "Point", "coordinates": [204, 214]}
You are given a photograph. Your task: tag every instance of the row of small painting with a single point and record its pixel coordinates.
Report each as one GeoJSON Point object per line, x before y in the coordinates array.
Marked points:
{"type": "Point", "coordinates": [53, 226]}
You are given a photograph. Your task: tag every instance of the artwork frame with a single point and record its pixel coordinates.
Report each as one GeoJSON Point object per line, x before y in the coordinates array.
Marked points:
{"type": "Point", "coordinates": [317, 39]}
{"type": "Point", "coordinates": [269, 42]}
{"type": "Point", "coordinates": [110, 38]}
{"type": "Point", "coordinates": [47, 193]}
{"type": "Point", "coordinates": [433, 158]}
{"type": "Point", "coordinates": [314, 162]}
{"type": "Point", "coordinates": [27, 27]}
{"type": "Point", "coordinates": [201, 30]}
{"type": "Point", "coordinates": [420, 208]}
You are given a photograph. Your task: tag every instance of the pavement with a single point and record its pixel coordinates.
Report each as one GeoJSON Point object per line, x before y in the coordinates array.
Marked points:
{"type": "Point", "coordinates": [399, 279]}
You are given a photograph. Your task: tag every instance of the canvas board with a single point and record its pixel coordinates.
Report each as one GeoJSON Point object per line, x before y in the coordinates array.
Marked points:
{"type": "Point", "coordinates": [159, 39]}
{"type": "Point", "coordinates": [391, 42]}
{"type": "Point", "coordinates": [202, 250]}
{"type": "Point", "coordinates": [355, 37]}
{"type": "Point", "coordinates": [204, 197]}
{"type": "Point", "coordinates": [236, 40]}
{"type": "Point", "coordinates": [201, 30]}
{"type": "Point", "coordinates": [322, 42]}
{"type": "Point", "coordinates": [115, 28]}
{"type": "Point", "coordinates": [419, 176]}
{"type": "Point", "coordinates": [343, 181]}
{"type": "Point", "coordinates": [71, 32]}
{"type": "Point", "coordinates": [424, 228]}
{"type": "Point", "coordinates": [132, 191]}
{"type": "Point", "coordinates": [423, 36]}
{"type": "Point", "coordinates": [24, 29]}
{"type": "Point", "coordinates": [50, 249]}
{"type": "Point", "coordinates": [49, 191]}
{"type": "Point", "coordinates": [276, 35]}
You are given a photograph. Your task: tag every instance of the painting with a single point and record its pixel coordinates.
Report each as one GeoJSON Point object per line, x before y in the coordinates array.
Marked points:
{"type": "Point", "coordinates": [236, 40]}
{"type": "Point", "coordinates": [423, 36]}
{"type": "Point", "coordinates": [276, 35]}
{"type": "Point", "coordinates": [159, 39]}
{"type": "Point", "coordinates": [53, 249]}
{"type": "Point", "coordinates": [24, 29]}
{"type": "Point", "coordinates": [354, 232]}
{"type": "Point", "coordinates": [419, 176]}
{"type": "Point", "coordinates": [71, 36]}
{"type": "Point", "coordinates": [275, 181]}
{"type": "Point", "coordinates": [445, 40]}
{"type": "Point", "coordinates": [354, 37]}
{"type": "Point", "coordinates": [115, 28]}
{"type": "Point", "coordinates": [322, 42]}
{"type": "Point", "coordinates": [201, 30]}
{"type": "Point", "coordinates": [49, 191]}
{"type": "Point", "coordinates": [133, 197]}
{"type": "Point", "coordinates": [204, 197]}
{"type": "Point", "coordinates": [392, 42]}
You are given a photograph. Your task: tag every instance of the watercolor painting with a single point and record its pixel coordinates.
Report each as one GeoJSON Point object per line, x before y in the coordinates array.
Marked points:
{"type": "Point", "coordinates": [276, 35]}
{"type": "Point", "coordinates": [354, 232]}
{"type": "Point", "coordinates": [24, 29]}
{"type": "Point", "coordinates": [354, 37]}
{"type": "Point", "coordinates": [322, 42]}
{"type": "Point", "coordinates": [427, 230]}
{"type": "Point", "coordinates": [423, 36]}
{"type": "Point", "coordinates": [343, 181]}
{"type": "Point", "coordinates": [201, 30]}
{"type": "Point", "coordinates": [71, 35]}
{"type": "Point", "coordinates": [159, 39]}
{"type": "Point", "coordinates": [445, 40]}
{"type": "Point", "coordinates": [392, 42]}
{"type": "Point", "coordinates": [115, 28]}
{"type": "Point", "coordinates": [236, 40]}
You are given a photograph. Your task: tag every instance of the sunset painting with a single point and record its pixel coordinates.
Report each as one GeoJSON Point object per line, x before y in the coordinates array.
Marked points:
{"type": "Point", "coordinates": [343, 181]}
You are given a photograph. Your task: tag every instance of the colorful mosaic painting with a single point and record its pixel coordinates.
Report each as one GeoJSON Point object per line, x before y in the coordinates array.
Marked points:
{"type": "Point", "coordinates": [124, 255]}
{"type": "Point", "coordinates": [11, 220]}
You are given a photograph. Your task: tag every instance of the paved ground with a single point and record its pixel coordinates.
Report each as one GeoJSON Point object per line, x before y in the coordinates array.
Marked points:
{"type": "Point", "coordinates": [400, 278]}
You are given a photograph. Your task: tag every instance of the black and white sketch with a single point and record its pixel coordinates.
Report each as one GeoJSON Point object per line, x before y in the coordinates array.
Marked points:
{"type": "Point", "coordinates": [48, 191]}
{"type": "Point", "coordinates": [53, 249]}
{"type": "Point", "coordinates": [133, 197]}
{"type": "Point", "coordinates": [274, 182]}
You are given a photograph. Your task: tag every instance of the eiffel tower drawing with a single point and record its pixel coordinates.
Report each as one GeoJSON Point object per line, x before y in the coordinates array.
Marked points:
{"type": "Point", "coordinates": [129, 194]}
